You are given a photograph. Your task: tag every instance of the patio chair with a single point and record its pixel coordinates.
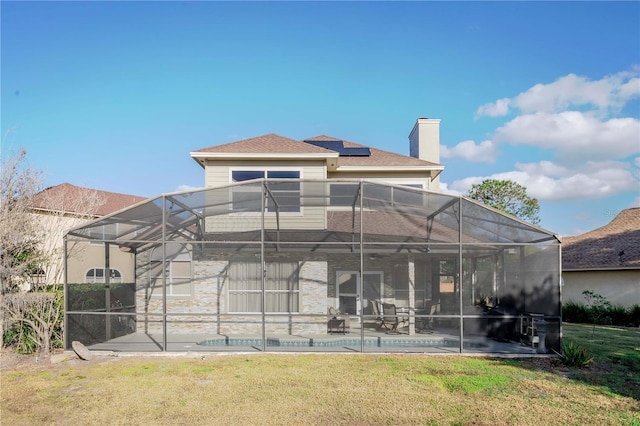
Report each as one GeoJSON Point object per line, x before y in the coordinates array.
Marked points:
{"type": "Point", "coordinates": [377, 312]}
{"type": "Point", "coordinates": [337, 322]}
{"type": "Point", "coordinates": [426, 323]}
{"type": "Point", "coordinates": [390, 318]}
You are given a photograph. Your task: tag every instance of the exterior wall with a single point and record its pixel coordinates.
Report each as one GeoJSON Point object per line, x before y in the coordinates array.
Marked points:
{"type": "Point", "coordinates": [209, 298]}
{"type": "Point", "coordinates": [390, 178]}
{"type": "Point", "coordinates": [218, 174]}
{"type": "Point", "coordinates": [619, 287]}
{"type": "Point", "coordinates": [83, 256]}
{"type": "Point", "coordinates": [53, 227]}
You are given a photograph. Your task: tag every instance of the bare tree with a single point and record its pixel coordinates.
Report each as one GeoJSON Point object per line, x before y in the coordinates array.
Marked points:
{"type": "Point", "coordinates": [19, 233]}
{"type": "Point", "coordinates": [40, 311]}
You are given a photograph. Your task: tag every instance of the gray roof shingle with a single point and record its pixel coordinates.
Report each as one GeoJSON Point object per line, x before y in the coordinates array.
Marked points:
{"type": "Point", "coordinates": [613, 246]}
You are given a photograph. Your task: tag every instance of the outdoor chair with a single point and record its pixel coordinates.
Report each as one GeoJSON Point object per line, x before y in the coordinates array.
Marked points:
{"type": "Point", "coordinates": [377, 312]}
{"type": "Point", "coordinates": [426, 324]}
{"type": "Point", "coordinates": [337, 322]}
{"type": "Point", "coordinates": [390, 319]}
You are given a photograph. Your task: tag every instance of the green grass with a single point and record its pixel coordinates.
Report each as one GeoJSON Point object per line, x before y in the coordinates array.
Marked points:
{"type": "Point", "coordinates": [616, 353]}
{"type": "Point", "coordinates": [337, 389]}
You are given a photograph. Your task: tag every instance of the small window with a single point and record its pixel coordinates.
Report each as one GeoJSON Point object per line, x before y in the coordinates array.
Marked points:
{"type": "Point", "coordinates": [343, 194]}
{"type": "Point", "coordinates": [96, 275]}
{"type": "Point", "coordinates": [103, 232]}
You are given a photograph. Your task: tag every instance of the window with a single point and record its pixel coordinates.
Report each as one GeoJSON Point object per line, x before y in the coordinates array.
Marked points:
{"type": "Point", "coordinates": [97, 275]}
{"type": "Point", "coordinates": [104, 232]}
{"type": "Point", "coordinates": [344, 194]}
{"type": "Point", "coordinates": [283, 197]}
{"type": "Point", "coordinates": [179, 273]}
{"type": "Point", "coordinates": [282, 292]}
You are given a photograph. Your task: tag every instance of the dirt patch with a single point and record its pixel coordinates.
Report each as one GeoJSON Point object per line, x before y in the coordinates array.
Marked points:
{"type": "Point", "coordinates": [11, 361]}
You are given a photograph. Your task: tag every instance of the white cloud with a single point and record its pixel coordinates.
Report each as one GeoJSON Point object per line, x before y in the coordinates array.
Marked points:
{"type": "Point", "coordinates": [183, 187]}
{"type": "Point", "coordinates": [495, 109]}
{"type": "Point", "coordinates": [484, 152]}
{"type": "Point", "coordinates": [608, 94]}
{"type": "Point", "coordinates": [549, 181]}
{"type": "Point", "coordinates": [574, 134]}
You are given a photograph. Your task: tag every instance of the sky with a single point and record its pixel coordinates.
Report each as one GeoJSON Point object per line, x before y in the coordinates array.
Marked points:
{"type": "Point", "coordinates": [115, 95]}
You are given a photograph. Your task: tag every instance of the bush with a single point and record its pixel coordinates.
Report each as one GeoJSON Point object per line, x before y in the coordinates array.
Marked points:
{"type": "Point", "coordinates": [34, 320]}
{"type": "Point", "coordinates": [575, 312]}
{"type": "Point", "coordinates": [574, 355]}
{"type": "Point", "coordinates": [634, 316]}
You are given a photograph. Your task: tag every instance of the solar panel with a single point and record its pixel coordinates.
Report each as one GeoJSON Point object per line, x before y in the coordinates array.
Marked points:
{"type": "Point", "coordinates": [339, 147]}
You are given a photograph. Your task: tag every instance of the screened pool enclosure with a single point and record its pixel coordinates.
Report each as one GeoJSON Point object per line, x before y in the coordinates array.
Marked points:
{"type": "Point", "coordinates": [299, 265]}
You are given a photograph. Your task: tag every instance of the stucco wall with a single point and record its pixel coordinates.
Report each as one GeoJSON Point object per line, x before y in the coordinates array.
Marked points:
{"type": "Point", "coordinates": [619, 287]}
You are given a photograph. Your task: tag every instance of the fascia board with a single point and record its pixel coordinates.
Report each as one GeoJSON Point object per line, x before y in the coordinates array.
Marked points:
{"type": "Point", "coordinates": [394, 169]}
{"type": "Point", "coordinates": [262, 155]}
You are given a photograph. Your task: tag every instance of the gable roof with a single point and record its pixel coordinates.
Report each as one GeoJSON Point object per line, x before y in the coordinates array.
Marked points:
{"type": "Point", "coordinates": [613, 246]}
{"type": "Point", "coordinates": [276, 146]}
{"type": "Point", "coordinates": [70, 199]}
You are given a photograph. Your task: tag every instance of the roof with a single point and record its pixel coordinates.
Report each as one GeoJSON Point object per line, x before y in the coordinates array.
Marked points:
{"type": "Point", "coordinates": [271, 144]}
{"type": "Point", "coordinates": [70, 199]}
{"type": "Point", "coordinates": [613, 246]}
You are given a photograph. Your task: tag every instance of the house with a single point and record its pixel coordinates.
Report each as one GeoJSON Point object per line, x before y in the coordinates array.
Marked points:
{"type": "Point", "coordinates": [320, 244]}
{"type": "Point", "coordinates": [65, 206]}
{"type": "Point", "coordinates": [605, 260]}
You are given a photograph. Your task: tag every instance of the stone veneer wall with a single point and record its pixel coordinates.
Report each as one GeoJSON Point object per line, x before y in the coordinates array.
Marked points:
{"type": "Point", "coordinates": [209, 290]}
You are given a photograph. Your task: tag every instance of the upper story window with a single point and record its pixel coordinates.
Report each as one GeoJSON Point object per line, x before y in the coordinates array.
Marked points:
{"type": "Point", "coordinates": [346, 194]}
{"type": "Point", "coordinates": [103, 232]}
{"type": "Point", "coordinates": [283, 197]}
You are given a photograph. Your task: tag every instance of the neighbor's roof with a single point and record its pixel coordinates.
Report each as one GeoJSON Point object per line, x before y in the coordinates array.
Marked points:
{"type": "Point", "coordinates": [70, 199]}
{"type": "Point", "coordinates": [613, 246]}
{"type": "Point", "coordinates": [271, 144]}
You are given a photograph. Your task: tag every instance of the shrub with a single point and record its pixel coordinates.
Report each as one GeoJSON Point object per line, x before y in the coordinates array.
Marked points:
{"type": "Point", "coordinates": [34, 319]}
{"type": "Point", "coordinates": [618, 315]}
{"type": "Point", "coordinates": [575, 312]}
{"type": "Point", "coordinates": [574, 355]}
{"type": "Point", "coordinates": [634, 316]}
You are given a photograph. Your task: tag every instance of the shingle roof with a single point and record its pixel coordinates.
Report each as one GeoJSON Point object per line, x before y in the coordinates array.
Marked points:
{"type": "Point", "coordinates": [613, 246]}
{"type": "Point", "coordinates": [272, 143]}
{"type": "Point", "coordinates": [69, 198]}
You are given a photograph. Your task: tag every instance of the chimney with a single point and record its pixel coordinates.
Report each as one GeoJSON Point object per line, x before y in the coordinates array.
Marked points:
{"type": "Point", "coordinates": [424, 143]}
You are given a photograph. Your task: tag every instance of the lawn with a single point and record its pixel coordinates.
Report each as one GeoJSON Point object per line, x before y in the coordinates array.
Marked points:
{"type": "Point", "coordinates": [319, 389]}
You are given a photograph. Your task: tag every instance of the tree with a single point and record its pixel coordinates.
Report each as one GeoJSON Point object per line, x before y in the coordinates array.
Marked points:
{"type": "Point", "coordinates": [19, 233]}
{"type": "Point", "coordinates": [507, 196]}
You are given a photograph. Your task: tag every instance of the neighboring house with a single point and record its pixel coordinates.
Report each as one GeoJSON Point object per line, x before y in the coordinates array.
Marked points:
{"type": "Point", "coordinates": [287, 233]}
{"type": "Point", "coordinates": [65, 206]}
{"type": "Point", "coordinates": [605, 260]}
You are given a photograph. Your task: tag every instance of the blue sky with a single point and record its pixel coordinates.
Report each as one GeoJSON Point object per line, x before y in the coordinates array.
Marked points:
{"type": "Point", "coordinates": [114, 95]}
